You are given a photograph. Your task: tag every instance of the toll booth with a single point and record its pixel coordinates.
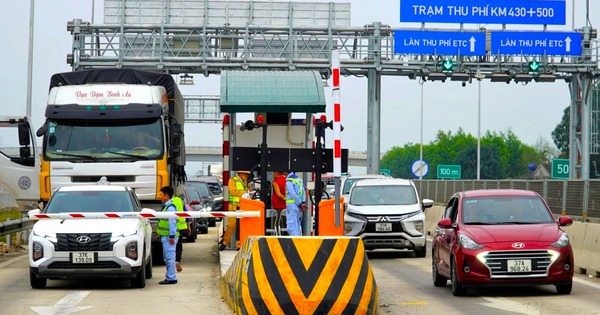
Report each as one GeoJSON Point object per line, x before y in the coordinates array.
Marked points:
{"type": "Point", "coordinates": [269, 125]}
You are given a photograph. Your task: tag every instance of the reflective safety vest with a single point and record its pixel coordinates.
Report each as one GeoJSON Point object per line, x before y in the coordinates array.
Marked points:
{"type": "Point", "coordinates": [300, 190]}
{"type": "Point", "coordinates": [181, 222]}
{"type": "Point", "coordinates": [163, 225]}
{"type": "Point", "coordinates": [239, 185]}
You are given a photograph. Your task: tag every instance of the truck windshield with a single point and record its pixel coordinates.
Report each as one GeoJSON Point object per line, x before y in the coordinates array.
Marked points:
{"type": "Point", "coordinates": [89, 141]}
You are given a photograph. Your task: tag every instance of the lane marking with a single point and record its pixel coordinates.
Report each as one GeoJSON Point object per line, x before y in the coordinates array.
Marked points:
{"type": "Point", "coordinates": [65, 306]}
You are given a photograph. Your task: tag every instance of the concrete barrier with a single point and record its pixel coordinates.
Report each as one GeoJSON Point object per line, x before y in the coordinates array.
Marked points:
{"type": "Point", "coordinates": [584, 238]}
{"type": "Point", "coordinates": [301, 275]}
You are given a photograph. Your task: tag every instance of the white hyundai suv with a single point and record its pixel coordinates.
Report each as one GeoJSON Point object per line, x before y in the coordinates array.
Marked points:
{"type": "Point", "coordinates": [90, 248]}
{"type": "Point", "coordinates": [387, 213]}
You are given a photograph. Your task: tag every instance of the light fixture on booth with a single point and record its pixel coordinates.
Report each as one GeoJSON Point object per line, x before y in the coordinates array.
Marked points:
{"type": "Point", "coordinates": [186, 79]}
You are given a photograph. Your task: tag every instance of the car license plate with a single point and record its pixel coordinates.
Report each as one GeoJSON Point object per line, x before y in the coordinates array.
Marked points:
{"type": "Point", "coordinates": [519, 265]}
{"type": "Point", "coordinates": [383, 227]}
{"type": "Point", "coordinates": [83, 257]}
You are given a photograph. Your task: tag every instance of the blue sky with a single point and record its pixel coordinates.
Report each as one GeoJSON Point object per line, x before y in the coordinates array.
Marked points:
{"type": "Point", "coordinates": [530, 111]}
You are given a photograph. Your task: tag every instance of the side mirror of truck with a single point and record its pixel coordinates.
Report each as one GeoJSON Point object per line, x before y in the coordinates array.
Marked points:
{"type": "Point", "coordinates": [42, 130]}
{"type": "Point", "coordinates": [24, 139]}
{"type": "Point", "coordinates": [174, 150]}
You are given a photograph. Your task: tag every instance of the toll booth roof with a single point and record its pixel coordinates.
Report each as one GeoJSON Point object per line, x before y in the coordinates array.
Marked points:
{"type": "Point", "coordinates": [272, 92]}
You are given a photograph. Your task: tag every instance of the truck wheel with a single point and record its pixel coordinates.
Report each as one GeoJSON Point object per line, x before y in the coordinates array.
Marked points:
{"type": "Point", "coordinates": [35, 282]}
{"type": "Point", "coordinates": [140, 279]}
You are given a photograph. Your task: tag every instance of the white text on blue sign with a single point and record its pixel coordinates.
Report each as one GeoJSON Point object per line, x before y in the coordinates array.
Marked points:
{"type": "Point", "coordinates": [536, 43]}
{"type": "Point", "coordinates": [439, 43]}
{"type": "Point", "coordinates": [484, 11]}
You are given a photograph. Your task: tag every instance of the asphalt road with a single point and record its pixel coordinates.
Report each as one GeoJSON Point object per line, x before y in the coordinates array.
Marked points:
{"type": "Point", "coordinates": [197, 290]}
{"type": "Point", "coordinates": [404, 284]}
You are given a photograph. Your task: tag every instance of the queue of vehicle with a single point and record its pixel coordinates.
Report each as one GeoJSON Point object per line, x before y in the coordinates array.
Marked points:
{"type": "Point", "coordinates": [485, 238]}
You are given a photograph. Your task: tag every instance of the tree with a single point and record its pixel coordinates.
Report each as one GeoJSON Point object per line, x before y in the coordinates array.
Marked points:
{"type": "Point", "coordinates": [503, 155]}
{"type": "Point", "coordinates": [561, 134]}
{"type": "Point", "coordinates": [544, 149]}
{"type": "Point", "coordinates": [399, 160]}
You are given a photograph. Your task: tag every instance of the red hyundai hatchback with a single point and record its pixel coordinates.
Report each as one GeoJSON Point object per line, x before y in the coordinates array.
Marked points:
{"type": "Point", "coordinates": [501, 237]}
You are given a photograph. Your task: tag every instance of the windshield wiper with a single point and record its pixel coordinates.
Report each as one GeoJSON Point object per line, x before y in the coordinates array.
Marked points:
{"type": "Point", "coordinates": [141, 157]}
{"type": "Point", "coordinates": [519, 222]}
{"type": "Point", "coordinates": [76, 155]}
{"type": "Point", "coordinates": [479, 223]}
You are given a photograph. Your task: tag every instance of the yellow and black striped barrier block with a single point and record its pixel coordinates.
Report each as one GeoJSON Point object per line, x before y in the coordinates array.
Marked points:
{"type": "Point", "coordinates": [301, 275]}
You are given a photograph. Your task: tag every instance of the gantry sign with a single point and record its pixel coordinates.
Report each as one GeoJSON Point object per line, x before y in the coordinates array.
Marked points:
{"type": "Point", "coordinates": [206, 37]}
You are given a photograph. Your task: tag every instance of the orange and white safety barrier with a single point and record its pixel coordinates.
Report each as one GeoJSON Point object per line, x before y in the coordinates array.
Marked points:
{"type": "Point", "coordinates": [143, 215]}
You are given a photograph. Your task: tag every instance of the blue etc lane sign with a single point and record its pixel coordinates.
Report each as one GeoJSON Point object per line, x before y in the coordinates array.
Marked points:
{"type": "Point", "coordinates": [541, 12]}
{"type": "Point", "coordinates": [536, 43]}
{"type": "Point", "coordinates": [439, 43]}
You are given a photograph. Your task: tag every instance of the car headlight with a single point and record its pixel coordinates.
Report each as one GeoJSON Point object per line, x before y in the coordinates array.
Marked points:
{"type": "Point", "coordinates": [468, 243]}
{"type": "Point", "coordinates": [562, 241]}
{"type": "Point", "coordinates": [353, 225]}
{"type": "Point", "coordinates": [414, 228]}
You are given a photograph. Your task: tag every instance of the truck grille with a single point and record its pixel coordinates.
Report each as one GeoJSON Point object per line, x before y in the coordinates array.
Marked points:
{"type": "Point", "coordinates": [67, 242]}
{"type": "Point", "coordinates": [497, 262]}
{"type": "Point", "coordinates": [95, 179]}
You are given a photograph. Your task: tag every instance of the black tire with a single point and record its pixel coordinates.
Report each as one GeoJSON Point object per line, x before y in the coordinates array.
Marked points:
{"type": "Point", "coordinates": [457, 288]}
{"type": "Point", "coordinates": [421, 252]}
{"type": "Point", "coordinates": [35, 282]}
{"type": "Point", "coordinates": [438, 280]}
{"type": "Point", "coordinates": [140, 279]}
{"type": "Point", "coordinates": [204, 230]}
{"type": "Point", "coordinates": [149, 267]}
{"type": "Point", "coordinates": [212, 222]}
{"type": "Point", "coordinates": [564, 288]}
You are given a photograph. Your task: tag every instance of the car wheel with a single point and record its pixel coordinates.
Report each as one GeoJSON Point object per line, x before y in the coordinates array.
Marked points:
{"type": "Point", "coordinates": [564, 288]}
{"type": "Point", "coordinates": [149, 267]}
{"type": "Point", "coordinates": [457, 288]}
{"type": "Point", "coordinates": [35, 282]}
{"type": "Point", "coordinates": [212, 222]}
{"type": "Point", "coordinates": [204, 229]}
{"type": "Point", "coordinates": [438, 280]}
{"type": "Point", "coordinates": [421, 252]}
{"type": "Point", "coordinates": [140, 279]}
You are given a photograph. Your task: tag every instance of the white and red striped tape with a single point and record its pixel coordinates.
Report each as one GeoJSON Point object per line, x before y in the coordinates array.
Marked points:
{"type": "Point", "coordinates": [226, 169]}
{"type": "Point", "coordinates": [144, 215]}
{"type": "Point", "coordinates": [337, 124]}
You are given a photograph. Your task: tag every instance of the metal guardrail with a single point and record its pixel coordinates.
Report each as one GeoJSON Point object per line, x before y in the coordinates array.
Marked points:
{"type": "Point", "coordinates": [16, 225]}
{"type": "Point", "coordinates": [575, 198]}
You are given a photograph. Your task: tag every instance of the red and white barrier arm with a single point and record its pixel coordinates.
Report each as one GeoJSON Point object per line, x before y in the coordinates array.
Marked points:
{"type": "Point", "coordinates": [143, 215]}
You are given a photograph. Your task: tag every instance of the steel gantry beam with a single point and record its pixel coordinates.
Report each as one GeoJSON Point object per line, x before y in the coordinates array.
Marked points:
{"type": "Point", "coordinates": [364, 51]}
